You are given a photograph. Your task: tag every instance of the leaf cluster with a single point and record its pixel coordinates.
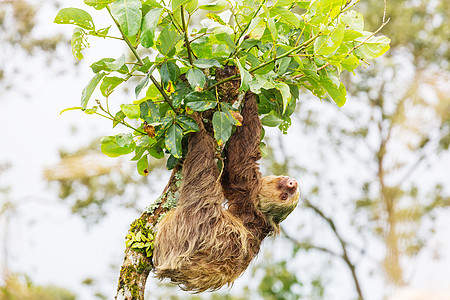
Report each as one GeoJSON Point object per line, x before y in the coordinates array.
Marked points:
{"type": "Point", "coordinates": [141, 242]}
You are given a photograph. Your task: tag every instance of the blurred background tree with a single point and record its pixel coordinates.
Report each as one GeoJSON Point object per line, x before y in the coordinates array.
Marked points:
{"type": "Point", "coordinates": [21, 39]}
{"type": "Point", "coordinates": [373, 174]}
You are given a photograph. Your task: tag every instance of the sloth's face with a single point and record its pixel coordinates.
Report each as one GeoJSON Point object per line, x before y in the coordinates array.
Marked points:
{"type": "Point", "coordinates": [278, 197]}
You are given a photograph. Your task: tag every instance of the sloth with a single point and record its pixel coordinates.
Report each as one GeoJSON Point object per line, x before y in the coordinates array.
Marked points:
{"type": "Point", "coordinates": [217, 228]}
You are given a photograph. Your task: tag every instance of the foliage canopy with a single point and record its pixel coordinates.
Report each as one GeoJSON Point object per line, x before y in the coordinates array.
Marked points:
{"type": "Point", "coordinates": [277, 48]}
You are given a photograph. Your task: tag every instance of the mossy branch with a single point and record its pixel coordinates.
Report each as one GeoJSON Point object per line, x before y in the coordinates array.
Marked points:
{"type": "Point", "coordinates": [137, 263]}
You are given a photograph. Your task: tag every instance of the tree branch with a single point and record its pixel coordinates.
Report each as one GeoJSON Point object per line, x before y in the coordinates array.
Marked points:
{"type": "Point", "coordinates": [308, 246]}
{"type": "Point", "coordinates": [186, 38]}
{"type": "Point", "coordinates": [344, 255]}
{"type": "Point", "coordinates": [296, 49]}
{"type": "Point", "coordinates": [141, 62]}
{"type": "Point", "coordinates": [137, 263]}
{"type": "Point", "coordinates": [349, 51]}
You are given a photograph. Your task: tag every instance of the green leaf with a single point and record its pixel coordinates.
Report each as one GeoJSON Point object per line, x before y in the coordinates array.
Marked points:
{"type": "Point", "coordinates": [271, 121]}
{"type": "Point", "coordinates": [226, 39]}
{"type": "Point", "coordinates": [138, 236]}
{"type": "Point", "coordinates": [143, 83]}
{"type": "Point", "coordinates": [89, 89]}
{"type": "Point", "coordinates": [177, 3]}
{"type": "Point", "coordinates": [78, 42]}
{"type": "Point", "coordinates": [132, 111]}
{"type": "Point", "coordinates": [153, 3]}
{"type": "Point", "coordinates": [229, 110]}
{"type": "Point", "coordinates": [170, 72]}
{"type": "Point", "coordinates": [98, 4]}
{"type": "Point", "coordinates": [173, 137]}
{"type": "Point", "coordinates": [101, 65]}
{"type": "Point", "coordinates": [91, 111]}
{"type": "Point", "coordinates": [167, 40]}
{"type": "Point", "coordinates": [128, 14]}
{"type": "Point", "coordinates": [109, 84]}
{"type": "Point", "coordinates": [75, 16]}
{"type": "Point", "coordinates": [353, 20]}
{"type": "Point", "coordinates": [144, 141]}
{"type": "Point", "coordinates": [283, 64]}
{"type": "Point", "coordinates": [214, 6]}
{"type": "Point", "coordinates": [124, 139]}
{"type": "Point", "coordinates": [256, 28]}
{"type": "Point", "coordinates": [138, 152]}
{"type": "Point", "coordinates": [153, 93]}
{"type": "Point", "coordinates": [138, 245]}
{"type": "Point", "coordinates": [156, 151]}
{"type": "Point", "coordinates": [337, 93]}
{"type": "Point", "coordinates": [71, 108]}
{"type": "Point", "coordinates": [246, 78]}
{"type": "Point", "coordinates": [215, 18]}
{"type": "Point", "coordinates": [373, 47]}
{"type": "Point", "coordinates": [202, 47]}
{"type": "Point", "coordinates": [248, 44]}
{"type": "Point", "coordinates": [149, 112]}
{"type": "Point", "coordinates": [222, 127]}
{"type": "Point", "coordinates": [114, 146]}
{"type": "Point", "coordinates": [258, 82]}
{"type": "Point", "coordinates": [350, 63]}
{"type": "Point", "coordinates": [146, 66]}
{"type": "Point", "coordinates": [284, 2]}
{"type": "Point", "coordinates": [119, 117]}
{"type": "Point", "coordinates": [327, 44]}
{"type": "Point", "coordinates": [172, 162]}
{"type": "Point", "coordinates": [181, 91]}
{"type": "Point", "coordinates": [117, 64]}
{"type": "Point", "coordinates": [266, 69]}
{"type": "Point", "coordinates": [205, 63]}
{"type": "Point", "coordinates": [201, 101]}
{"type": "Point", "coordinates": [196, 79]}
{"type": "Point", "coordinates": [101, 32]}
{"type": "Point", "coordinates": [286, 16]}
{"type": "Point", "coordinates": [187, 124]}
{"type": "Point", "coordinates": [149, 24]}
{"type": "Point", "coordinates": [272, 28]}
{"type": "Point", "coordinates": [285, 91]}
{"type": "Point", "coordinates": [142, 166]}
{"type": "Point", "coordinates": [191, 5]}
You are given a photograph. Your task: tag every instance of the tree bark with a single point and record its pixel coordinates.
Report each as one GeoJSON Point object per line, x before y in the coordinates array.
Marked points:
{"type": "Point", "coordinates": [137, 263]}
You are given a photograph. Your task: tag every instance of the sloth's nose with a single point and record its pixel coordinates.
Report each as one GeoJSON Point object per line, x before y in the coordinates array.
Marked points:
{"type": "Point", "coordinates": [292, 184]}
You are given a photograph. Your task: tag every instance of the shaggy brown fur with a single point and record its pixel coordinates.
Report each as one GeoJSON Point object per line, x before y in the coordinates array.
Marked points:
{"type": "Point", "coordinates": [201, 245]}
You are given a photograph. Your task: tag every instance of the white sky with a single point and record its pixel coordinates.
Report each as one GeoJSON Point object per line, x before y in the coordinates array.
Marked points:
{"type": "Point", "coordinates": [45, 241]}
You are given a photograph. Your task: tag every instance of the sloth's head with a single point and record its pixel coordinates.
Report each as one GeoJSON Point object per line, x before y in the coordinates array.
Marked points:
{"type": "Point", "coordinates": [277, 198]}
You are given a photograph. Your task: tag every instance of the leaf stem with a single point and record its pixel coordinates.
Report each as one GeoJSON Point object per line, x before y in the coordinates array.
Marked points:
{"type": "Point", "coordinates": [106, 36]}
{"type": "Point", "coordinates": [173, 20]}
{"type": "Point", "coordinates": [246, 27]}
{"type": "Point", "coordinates": [186, 38]}
{"type": "Point", "coordinates": [133, 49]}
{"type": "Point", "coordinates": [112, 118]}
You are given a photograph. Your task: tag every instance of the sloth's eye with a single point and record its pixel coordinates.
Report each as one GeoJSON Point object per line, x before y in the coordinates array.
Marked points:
{"type": "Point", "coordinates": [284, 196]}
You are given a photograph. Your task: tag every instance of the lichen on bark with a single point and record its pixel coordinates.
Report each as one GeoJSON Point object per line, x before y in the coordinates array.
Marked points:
{"type": "Point", "coordinates": [137, 264]}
